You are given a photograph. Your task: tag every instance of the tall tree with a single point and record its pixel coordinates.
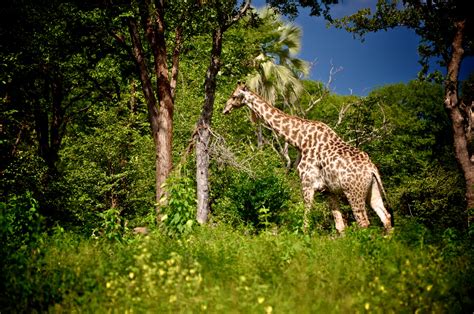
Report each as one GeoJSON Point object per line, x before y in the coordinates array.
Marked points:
{"type": "Point", "coordinates": [225, 16]}
{"type": "Point", "coordinates": [159, 27]}
{"type": "Point", "coordinates": [48, 54]}
{"type": "Point", "coordinates": [45, 70]}
{"type": "Point", "coordinates": [446, 30]}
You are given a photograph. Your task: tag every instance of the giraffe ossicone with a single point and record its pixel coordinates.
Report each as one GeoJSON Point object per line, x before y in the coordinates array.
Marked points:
{"type": "Point", "coordinates": [327, 162]}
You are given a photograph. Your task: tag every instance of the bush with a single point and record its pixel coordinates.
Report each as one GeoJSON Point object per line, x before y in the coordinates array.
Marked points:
{"type": "Point", "coordinates": [170, 283]}
{"type": "Point", "coordinates": [257, 199]}
{"type": "Point", "coordinates": [178, 216]}
{"type": "Point", "coordinates": [433, 199]}
{"type": "Point", "coordinates": [20, 222]}
{"type": "Point", "coordinates": [112, 225]}
{"type": "Point", "coordinates": [111, 166]}
{"type": "Point", "coordinates": [21, 233]}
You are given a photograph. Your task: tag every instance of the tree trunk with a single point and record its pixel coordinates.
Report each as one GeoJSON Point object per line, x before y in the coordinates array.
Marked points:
{"type": "Point", "coordinates": [57, 120]}
{"type": "Point", "coordinates": [49, 129]}
{"type": "Point", "coordinates": [150, 99]}
{"type": "Point", "coordinates": [161, 117]}
{"type": "Point", "coordinates": [202, 172]}
{"type": "Point", "coordinates": [203, 132]}
{"type": "Point", "coordinates": [203, 136]}
{"type": "Point", "coordinates": [164, 161]}
{"type": "Point", "coordinates": [454, 108]}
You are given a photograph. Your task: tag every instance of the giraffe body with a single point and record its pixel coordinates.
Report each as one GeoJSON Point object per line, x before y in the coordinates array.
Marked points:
{"type": "Point", "coordinates": [327, 162]}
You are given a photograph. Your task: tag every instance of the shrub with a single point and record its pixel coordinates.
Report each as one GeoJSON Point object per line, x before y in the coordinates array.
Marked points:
{"type": "Point", "coordinates": [171, 283]}
{"type": "Point", "coordinates": [112, 226]}
{"type": "Point", "coordinates": [20, 221]}
{"type": "Point", "coordinates": [220, 269]}
{"type": "Point", "coordinates": [433, 199]}
{"type": "Point", "coordinates": [21, 230]}
{"type": "Point", "coordinates": [179, 213]}
{"type": "Point", "coordinates": [256, 200]}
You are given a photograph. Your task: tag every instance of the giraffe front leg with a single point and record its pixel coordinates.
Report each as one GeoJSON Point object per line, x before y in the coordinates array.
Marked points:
{"type": "Point", "coordinates": [308, 196]}
{"type": "Point", "coordinates": [336, 212]}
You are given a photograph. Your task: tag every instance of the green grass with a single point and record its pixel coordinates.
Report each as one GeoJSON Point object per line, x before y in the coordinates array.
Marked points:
{"type": "Point", "coordinates": [220, 269]}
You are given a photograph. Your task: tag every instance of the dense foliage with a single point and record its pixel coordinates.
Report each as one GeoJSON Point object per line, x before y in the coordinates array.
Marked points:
{"type": "Point", "coordinates": [77, 176]}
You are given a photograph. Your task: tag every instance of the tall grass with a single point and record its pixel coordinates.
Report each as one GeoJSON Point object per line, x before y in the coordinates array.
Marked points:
{"type": "Point", "coordinates": [220, 269]}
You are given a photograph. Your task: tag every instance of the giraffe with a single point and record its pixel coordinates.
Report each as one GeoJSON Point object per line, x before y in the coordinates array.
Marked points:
{"type": "Point", "coordinates": [328, 164]}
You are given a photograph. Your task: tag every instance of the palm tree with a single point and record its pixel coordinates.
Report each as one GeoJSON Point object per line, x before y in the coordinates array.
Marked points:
{"type": "Point", "coordinates": [277, 71]}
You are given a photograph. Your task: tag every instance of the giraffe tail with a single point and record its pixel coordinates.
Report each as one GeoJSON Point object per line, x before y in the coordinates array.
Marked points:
{"type": "Point", "coordinates": [384, 195]}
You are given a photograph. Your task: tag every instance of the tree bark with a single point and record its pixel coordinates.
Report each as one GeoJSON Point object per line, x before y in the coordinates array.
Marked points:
{"type": "Point", "coordinates": [203, 133]}
{"type": "Point", "coordinates": [153, 113]}
{"type": "Point", "coordinates": [164, 161]}
{"type": "Point", "coordinates": [57, 120]}
{"type": "Point", "coordinates": [160, 102]}
{"type": "Point", "coordinates": [203, 129]}
{"type": "Point", "coordinates": [454, 108]}
{"type": "Point", "coordinates": [50, 128]}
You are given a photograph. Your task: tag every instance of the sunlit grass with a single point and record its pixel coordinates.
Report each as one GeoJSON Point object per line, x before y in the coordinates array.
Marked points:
{"type": "Point", "coordinates": [219, 269]}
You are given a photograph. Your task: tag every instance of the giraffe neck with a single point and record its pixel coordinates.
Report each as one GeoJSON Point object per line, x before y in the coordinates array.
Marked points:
{"type": "Point", "coordinates": [284, 125]}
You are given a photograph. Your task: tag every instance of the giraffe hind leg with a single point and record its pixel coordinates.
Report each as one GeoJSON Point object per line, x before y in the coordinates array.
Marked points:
{"type": "Point", "coordinates": [358, 208]}
{"type": "Point", "coordinates": [376, 202]}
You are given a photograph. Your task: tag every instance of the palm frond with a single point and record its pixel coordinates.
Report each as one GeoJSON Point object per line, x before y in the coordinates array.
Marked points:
{"type": "Point", "coordinates": [277, 70]}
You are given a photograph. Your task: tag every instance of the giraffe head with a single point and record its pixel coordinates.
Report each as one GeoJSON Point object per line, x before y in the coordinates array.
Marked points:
{"type": "Point", "coordinates": [236, 99]}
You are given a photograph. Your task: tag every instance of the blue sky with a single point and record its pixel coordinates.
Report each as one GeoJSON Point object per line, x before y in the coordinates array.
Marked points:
{"type": "Point", "coordinates": [384, 57]}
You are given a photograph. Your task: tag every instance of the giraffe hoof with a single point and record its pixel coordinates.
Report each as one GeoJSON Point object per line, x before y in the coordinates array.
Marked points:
{"type": "Point", "coordinates": [389, 230]}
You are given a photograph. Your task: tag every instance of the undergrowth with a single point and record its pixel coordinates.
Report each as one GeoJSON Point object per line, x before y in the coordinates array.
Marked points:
{"type": "Point", "coordinates": [221, 269]}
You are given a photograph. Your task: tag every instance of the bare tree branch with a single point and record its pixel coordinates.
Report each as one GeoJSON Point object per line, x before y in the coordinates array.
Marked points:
{"type": "Point", "coordinates": [238, 16]}
{"type": "Point", "coordinates": [332, 72]}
